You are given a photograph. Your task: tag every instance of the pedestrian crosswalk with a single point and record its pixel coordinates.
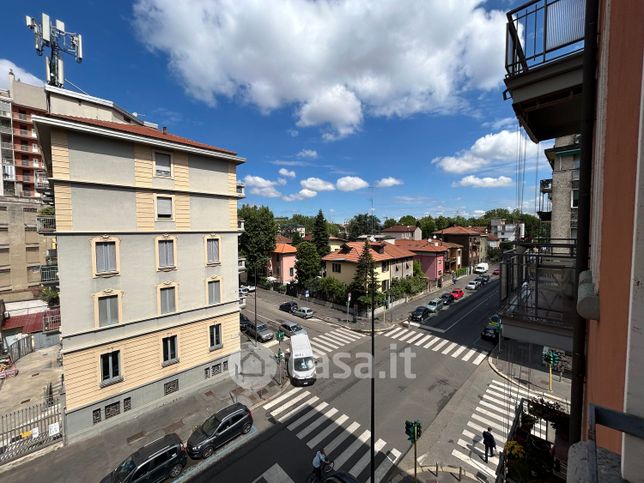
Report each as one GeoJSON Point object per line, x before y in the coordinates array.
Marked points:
{"type": "Point", "coordinates": [320, 425]}
{"type": "Point", "coordinates": [496, 410]}
{"type": "Point", "coordinates": [331, 341]}
{"type": "Point", "coordinates": [436, 344]}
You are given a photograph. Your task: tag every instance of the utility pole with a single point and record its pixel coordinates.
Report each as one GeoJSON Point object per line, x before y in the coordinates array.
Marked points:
{"type": "Point", "coordinates": [255, 306]}
{"type": "Point", "coordinates": [373, 381]}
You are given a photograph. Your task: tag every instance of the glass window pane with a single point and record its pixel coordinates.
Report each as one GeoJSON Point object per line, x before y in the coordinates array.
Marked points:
{"type": "Point", "coordinates": [213, 292]}
{"type": "Point", "coordinates": [213, 250]}
{"type": "Point", "coordinates": [105, 366]}
{"type": "Point", "coordinates": [116, 372]}
{"type": "Point", "coordinates": [107, 310]}
{"type": "Point", "coordinates": [166, 253]}
{"type": "Point", "coordinates": [167, 300]}
{"type": "Point", "coordinates": [164, 207]}
{"type": "Point", "coordinates": [105, 257]}
{"type": "Point", "coordinates": [162, 162]}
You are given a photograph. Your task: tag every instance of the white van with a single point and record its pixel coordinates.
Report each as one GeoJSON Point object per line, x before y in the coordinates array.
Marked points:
{"type": "Point", "coordinates": [481, 268]}
{"type": "Point", "coordinates": [301, 363]}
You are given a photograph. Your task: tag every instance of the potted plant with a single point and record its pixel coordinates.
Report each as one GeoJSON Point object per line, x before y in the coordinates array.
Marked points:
{"type": "Point", "coordinates": [527, 421]}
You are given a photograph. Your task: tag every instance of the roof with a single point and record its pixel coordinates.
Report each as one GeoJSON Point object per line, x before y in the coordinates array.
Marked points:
{"type": "Point", "coordinates": [284, 248]}
{"type": "Point", "coordinates": [400, 229]}
{"type": "Point", "coordinates": [492, 237]}
{"type": "Point", "coordinates": [457, 230]}
{"type": "Point", "coordinates": [450, 244]}
{"type": "Point", "coordinates": [421, 246]}
{"type": "Point", "coordinates": [331, 238]}
{"type": "Point", "coordinates": [282, 239]}
{"type": "Point", "coordinates": [144, 131]}
{"type": "Point", "coordinates": [350, 252]}
{"type": "Point", "coordinates": [481, 229]}
{"type": "Point", "coordinates": [29, 323]}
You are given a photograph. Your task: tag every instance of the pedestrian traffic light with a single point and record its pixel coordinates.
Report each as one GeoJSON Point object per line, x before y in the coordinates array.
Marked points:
{"type": "Point", "coordinates": [419, 429]}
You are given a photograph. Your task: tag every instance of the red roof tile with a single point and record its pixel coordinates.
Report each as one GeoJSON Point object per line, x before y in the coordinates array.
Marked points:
{"type": "Point", "coordinates": [421, 246]}
{"type": "Point", "coordinates": [351, 252]}
{"type": "Point", "coordinates": [145, 131]}
{"type": "Point", "coordinates": [29, 323]}
{"type": "Point", "coordinates": [284, 248]}
{"type": "Point", "coordinates": [282, 239]}
{"type": "Point", "coordinates": [457, 230]}
{"type": "Point", "coordinates": [492, 237]}
{"type": "Point", "coordinates": [400, 229]}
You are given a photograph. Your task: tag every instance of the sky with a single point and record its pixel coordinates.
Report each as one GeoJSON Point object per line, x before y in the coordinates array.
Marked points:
{"type": "Point", "coordinates": [339, 105]}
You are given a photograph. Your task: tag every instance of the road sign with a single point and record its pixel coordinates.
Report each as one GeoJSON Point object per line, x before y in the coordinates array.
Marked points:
{"type": "Point", "coordinates": [349, 296]}
{"type": "Point", "coordinates": [279, 335]}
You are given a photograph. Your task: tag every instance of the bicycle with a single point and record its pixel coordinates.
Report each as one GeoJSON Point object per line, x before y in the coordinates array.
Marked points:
{"type": "Point", "coordinates": [327, 469]}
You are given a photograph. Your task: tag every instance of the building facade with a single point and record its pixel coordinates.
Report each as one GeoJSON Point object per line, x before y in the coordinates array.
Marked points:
{"type": "Point", "coordinates": [404, 232]}
{"type": "Point", "coordinates": [430, 255]}
{"type": "Point", "coordinates": [468, 238]}
{"type": "Point", "coordinates": [505, 231]}
{"type": "Point", "coordinates": [282, 263]}
{"type": "Point", "coordinates": [147, 232]}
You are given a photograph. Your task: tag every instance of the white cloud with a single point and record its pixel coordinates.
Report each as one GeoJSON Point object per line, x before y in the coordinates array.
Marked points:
{"type": "Point", "coordinates": [292, 132]}
{"type": "Point", "coordinates": [350, 183]}
{"type": "Point", "coordinates": [303, 194]}
{"type": "Point", "coordinates": [286, 173]}
{"type": "Point", "coordinates": [491, 150]}
{"type": "Point", "coordinates": [261, 187]}
{"type": "Point", "coordinates": [317, 184]}
{"type": "Point", "coordinates": [478, 213]}
{"type": "Point", "coordinates": [486, 182]}
{"type": "Point", "coordinates": [290, 163]}
{"type": "Point", "coordinates": [388, 182]}
{"type": "Point", "coordinates": [308, 153]}
{"type": "Point", "coordinates": [281, 181]}
{"type": "Point", "coordinates": [322, 58]}
{"type": "Point", "coordinates": [504, 123]}
{"type": "Point", "coordinates": [20, 73]}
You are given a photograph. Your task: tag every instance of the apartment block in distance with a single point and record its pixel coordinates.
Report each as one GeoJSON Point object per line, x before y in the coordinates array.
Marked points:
{"type": "Point", "coordinates": [146, 229]}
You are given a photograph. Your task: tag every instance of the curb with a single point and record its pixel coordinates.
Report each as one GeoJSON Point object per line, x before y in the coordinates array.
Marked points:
{"type": "Point", "coordinates": [278, 393]}
{"type": "Point", "coordinates": [453, 470]}
{"type": "Point", "coordinates": [522, 386]}
{"type": "Point", "coordinates": [361, 331]}
{"type": "Point", "coordinates": [10, 465]}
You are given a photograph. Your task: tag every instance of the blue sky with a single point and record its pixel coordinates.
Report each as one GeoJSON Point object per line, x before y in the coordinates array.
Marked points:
{"type": "Point", "coordinates": [354, 101]}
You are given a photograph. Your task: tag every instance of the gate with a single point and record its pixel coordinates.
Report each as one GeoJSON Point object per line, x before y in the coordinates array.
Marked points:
{"type": "Point", "coordinates": [21, 348]}
{"type": "Point", "coordinates": [30, 429]}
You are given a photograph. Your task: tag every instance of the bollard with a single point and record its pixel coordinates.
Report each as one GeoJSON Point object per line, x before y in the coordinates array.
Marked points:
{"type": "Point", "coordinates": [437, 469]}
{"type": "Point", "coordinates": [460, 473]}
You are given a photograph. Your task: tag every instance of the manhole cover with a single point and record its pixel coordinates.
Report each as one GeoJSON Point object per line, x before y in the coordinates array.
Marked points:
{"type": "Point", "coordinates": [173, 427]}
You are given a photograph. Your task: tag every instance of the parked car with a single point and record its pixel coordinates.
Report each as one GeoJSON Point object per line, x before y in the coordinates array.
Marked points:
{"type": "Point", "coordinates": [304, 312]}
{"type": "Point", "coordinates": [291, 328]}
{"type": "Point", "coordinates": [496, 271]}
{"type": "Point", "coordinates": [448, 298]}
{"type": "Point", "coordinates": [243, 292]}
{"type": "Point", "coordinates": [493, 329]}
{"type": "Point", "coordinates": [244, 323]}
{"type": "Point", "coordinates": [419, 314]}
{"type": "Point", "coordinates": [249, 288]}
{"type": "Point", "coordinates": [480, 280]}
{"type": "Point", "coordinates": [156, 461]}
{"type": "Point", "coordinates": [218, 430]}
{"type": "Point", "coordinates": [262, 334]}
{"type": "Point", "coordinates": [435, 305]}
{"type": "Point", "coordinates": [472, 285]}
{"type": "Point", "coordinates": [288, 306]}
{"type": "Point", "coordinates": [457, 293]}
{"type": "Point", "coordinates": [485, 277]}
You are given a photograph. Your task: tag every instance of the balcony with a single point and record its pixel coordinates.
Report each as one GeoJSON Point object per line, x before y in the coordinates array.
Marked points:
{"type": "Point", "coordinates": [7, 146]}
{"type": "Point", "coordinates": [48, 274]}
{"type": "Point", "coordinates": [241, 264]}
{"type": "Point", "coordinates": [5, 129]}
{"type": "Point", "coordinates": [240, 225]}
{"type": "Point", "coordinates": [545, 185]}
{"type": "Point", "coordinates": [241, 189]}
{"type": "Point", "coordinates": [22, 117]}
{"type": "Point", "coordinates": [46, 224]}
{"type": "Point", "coordinates": [51, 320]}
{"type": "Point", "coordinates": [4, 113]}
{"type": "Point", "coordinates": [543, 61]}
{"type": "Point", "coordinates": [545, 203]}
{"type": "Point", "coordinates": [538, 293]}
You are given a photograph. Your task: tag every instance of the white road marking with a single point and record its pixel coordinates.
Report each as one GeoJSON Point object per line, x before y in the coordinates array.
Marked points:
{"type": "Point", "coordinates": [292, 412]}
{"type": "Point", "coordinates": [313, 425]}
{"type": "Point", "coordinates": [327, 431]}
{"type": "Point", "coordinates": [468, 355]}
{"type": "Point", "coordinates": [289, 403]}
{"type": "Point", "coordinates": [341, 437]}
{"type": "Point", "coordinates": [383, 468]}
{"type": "Point", "coordinates": [479, 466]}
{"type": "Point", "coordinates": [432, 342]}
{"type": "Point", "coordinates": [355, 446]}
{"type": "Point", "coordinates": [350, 333]}
{"type": "Point", "coordinates": [500, 440]}
{"type": "Point", "coordinates": [422, 341]}
{"type": "Point", "coordinates": [321, 345]}
{"type": "Point", "coordinates": [472, 448]}
{"type": "Point", "coordinates": [414, 339]}
{"type": "Point", "coordinates": [366, 459]}
{"type": "Point", "coordinates": [308, 415]}
{"type": "Point", "coordinates": [479, 359]}
{"type": "Point", "coordinates": [407, 336]}
{"type": "Point", "coordinates": [441, 344]}
{"type": "Point", "coordinates": [278, 400]}
{"type": "Point", "coordinates": [449, 348]}
{"type": "Point", "coordinates": [458, 351]}
{"type": "Point", "coordinates": [493, 424]}
{"type": "Point", "coordinates": [392, 333]}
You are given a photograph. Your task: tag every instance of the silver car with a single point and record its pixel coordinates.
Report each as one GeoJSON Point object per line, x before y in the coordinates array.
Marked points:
{"type": "Point", "coordinates": [291, 328]}
{"type": "Point", "coordinates": [435, 305]}
{"type": "Point", "coordinates": [304, 312]}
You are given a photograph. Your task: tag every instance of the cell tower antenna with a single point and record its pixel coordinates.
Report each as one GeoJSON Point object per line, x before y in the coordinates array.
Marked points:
{"type": "Point", "coordinates": [54, 37]}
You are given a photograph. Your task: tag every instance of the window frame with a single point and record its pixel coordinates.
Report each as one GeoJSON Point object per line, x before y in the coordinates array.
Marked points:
{"type": "Point", "coordinates": [334, 265]}
{"type": "Point", "coordinates": [157, 252]}
{"type": "Point", "coordinates": [108, 292]}
{"type": "Point", "coordinates": [165, 285]}
{"type": "Point", "coordinates": [154, 164]}
{"type": "Point", "coordinates": [117, 254]}
{"type": "Point", "coordinates": [171, 339]}
{"type": "Point", "coordinates": [212, 237]}
{"type": "Point", "coordinates": [104, 382]}
{"type": "Point", "coordinates": [216, 278]}
{"type": "Point", "coordinates": [156, 207]}
{"type": "Point", "coordinates": [214, 347]}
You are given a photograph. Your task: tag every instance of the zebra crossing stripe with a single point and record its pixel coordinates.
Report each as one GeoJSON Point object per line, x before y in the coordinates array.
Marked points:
{"type": "Point", "coordinates": [383, 468]}
{"type": "Point", "coordinates": [317, 353]}
{"type": "Point", "coordinates": [441, 344]}
{"type": "Point", "coordinates": [408, 335]}
{"type": "Point", "coordinates": [468, 434]}
{"type": "Point", "coordinates": [468, 355]}
{"type": "Point", "coordinates": [479, 359]}
{"type": "Point", "coordinates": [431, 342]}
{"type": "Point", "coordinates": [347, 453]}
{"type": "Point", "coordinates": [345, 340]}
{"type": "Point", "coordinates": [479, 466]}
{"type": "Point", "coordinates": [414, 339]}
{"type": "Point", "coordinates": [402, 333]}
{"type": "Point", "coordinates": [504, 420]}
{"type": "Point", "coordinates": [281, 398]}
{"type": "Point", "coordinates": [328, 340]}
{"type": "Point", "coordinates": [308, 415]}
{"type": "Point", "coordinates": [423, 340]}
{"type": "Point", "coordinates": [521, 391]}
{"type": "Point", "coordinates": [473, 449]}
{"type": "Point", "coordinates": [494, 407]}
{"type": "Point", "coordinates": [322, 345]}
{"type": "Point", "coordinates": [288, 404]}
{"type": "Point", "coordinates": [458, 351]}
{"type": "Point", "coordinates": [366, 458]}
{"type": "Point", "coordinates": [449, 348]}
{"type": "Point", "coordinates": [392, 333]}
{"type": "Point", "coordinates": [311, 426]}
{"type": "Point", "coordinates": [327, 431]}
{"type": "Point", "coordinates": [493, 424]}
{"type": "Point", "coordinates": [292, 412]}
{"type": "Point", "coordinates": [350, 333]}
{"type": "Point", "coordinates": [341, 437]}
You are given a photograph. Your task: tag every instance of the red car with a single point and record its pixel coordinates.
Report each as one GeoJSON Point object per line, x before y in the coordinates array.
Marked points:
{"type": "Point", "coordinates": [457, 293]}
{"type": "Point", "coordinates": [497, 271]}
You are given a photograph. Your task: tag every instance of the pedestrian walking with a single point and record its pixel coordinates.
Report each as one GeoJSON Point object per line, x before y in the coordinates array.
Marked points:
{"type": "Point", "coordinates": [489, 442]}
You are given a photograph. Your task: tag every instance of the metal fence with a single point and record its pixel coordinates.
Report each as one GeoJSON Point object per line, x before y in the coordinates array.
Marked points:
{"type": "Point", "coordinates": [21, 348]}
{"type": "Point", "coordinates": [30, 429]}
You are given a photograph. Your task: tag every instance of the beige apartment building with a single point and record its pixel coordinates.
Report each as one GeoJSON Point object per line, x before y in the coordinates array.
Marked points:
{"type": "Point", "coordinates": [146, 230]}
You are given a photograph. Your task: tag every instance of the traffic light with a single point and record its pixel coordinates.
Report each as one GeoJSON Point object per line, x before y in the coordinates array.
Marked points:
{"type": "Point", "coordinates": [419, 429]}
{"type": "Point", "coordinates": [409, 430]}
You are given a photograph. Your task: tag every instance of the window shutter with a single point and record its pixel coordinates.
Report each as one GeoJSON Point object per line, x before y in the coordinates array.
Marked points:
{"type": "Point", "coordinates": [167, 300]}
{"type": "Point", "coordinates": [166, 253]}
{"type": "Point", "coordinates": [213, 250]}
{"type": "Point", "coordinates": [164, 207]}
{"type": "Point", "coordinates": [213, 292]}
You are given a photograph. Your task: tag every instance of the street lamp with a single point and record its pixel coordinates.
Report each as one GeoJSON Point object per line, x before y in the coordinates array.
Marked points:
{"type": "Point", "coordinates": [255, 306]}
{"type": "Point", "coordinates": [373, 382]}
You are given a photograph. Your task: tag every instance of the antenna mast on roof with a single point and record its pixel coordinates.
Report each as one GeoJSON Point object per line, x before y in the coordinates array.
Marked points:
{"type": "Point", "coordinates": [54, 36]}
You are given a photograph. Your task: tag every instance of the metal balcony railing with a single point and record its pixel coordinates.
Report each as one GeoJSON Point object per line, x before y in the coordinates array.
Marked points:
{"type": "Point", "coordinates": [22, 117]}
{"type": "Point", "coordinates": [543, 31]}
{"type": "Point", "coordinates": [546, 185]}
{"type": "Point", "coordinates": [51, 320]}
{"type": "Point", "coordinates": [49, 273]}
{"type": "Point", "coordinates": [46, 223]}
{"type": "Point", "coordinates": [6, 146]}
{"type": "Point", "coordinates": [241, 188]}
{"type": "Point", "coordinates": [4, 113]}
{"type": "Point", "coordinates": [5, 129]}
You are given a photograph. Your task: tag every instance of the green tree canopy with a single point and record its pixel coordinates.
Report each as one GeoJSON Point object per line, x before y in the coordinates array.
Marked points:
{"type": "Point", "coordinates": [321, 235]}
{"type": "Point", "coordinates": [257, 242]}
{"type": "Point", "coordinates": [389, 222]}
{"type": "Point", "coordinates": [365, 277]}
{"type": "Point", "coordinates": [363, 224]}
{"type": "Point", "coordinates": [296, 238]}
{"type": "Point", "coordinates": [428, 226]}
{"type": "Point", "coordinates": [407, 220]}
{"type": "Point", "coordinates": [307, 264]}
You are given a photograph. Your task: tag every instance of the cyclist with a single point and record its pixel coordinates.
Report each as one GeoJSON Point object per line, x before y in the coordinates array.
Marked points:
{"type": "Point", "coordinates": [319, 461]}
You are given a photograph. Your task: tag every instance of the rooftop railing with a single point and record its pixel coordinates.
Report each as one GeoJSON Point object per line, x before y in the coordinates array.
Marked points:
{"type": "Point", "coordinates": [49, 273]}
{"type": "Point", "coordinates": [46, 223]}
{"type": "Point", "coordinates": [51, 320]}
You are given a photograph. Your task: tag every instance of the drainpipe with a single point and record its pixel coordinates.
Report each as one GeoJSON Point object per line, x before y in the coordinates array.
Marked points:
{"type": "Point", "coordinates": [583, 231]}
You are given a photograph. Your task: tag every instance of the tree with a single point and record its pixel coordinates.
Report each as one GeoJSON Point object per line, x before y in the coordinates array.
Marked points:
{"type": "Point", "coordinates": [389, 222]}
{"type": "Point", "coordinates": [497, 213]}
{"type": "Point", "coordinates": [333, 229]}
{"type": "Point", "coordinates": [307, 264]}
{"type": "Point", "coordinates": [257, 242]}
{"type": "Point", "coordinates": [408, 220]}
{"type": "Point", "coordinates": [321, 235]}
{"type": "Point", "coordinates": [332, 289]}
{"type": "Point", "coordinates": [442, 223]}
{"type": "Point", "coordinates": [365, 277]}
{"type": "Point", "coordinates": [428, 226]}
{"type": "Point", "coordinates": [363, 224]}
{"type": "Point", "coordinates": [296, 238]}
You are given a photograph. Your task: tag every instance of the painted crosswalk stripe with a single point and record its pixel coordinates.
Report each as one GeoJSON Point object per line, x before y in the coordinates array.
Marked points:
{"type": "Point", "coordinates": [325, 339]}
{"type": "Point", "coordinates": [402, 333]}
{"type": "Point", "coordinates": [471, 436]}
{"type": "Point", "coordinates": [289, 403]}
{"type": "Point", "coordinates": [351, 333]}
{"type": "Point", "coordinates": [311, 426]}
{"type": "Point", "coordinates": [521, 391]}
{"type": "Point", "coordinates": [317, 353]}
{"type": "Point", "coordinates": [406, 336]}
{"type": "Point", "coordinates": [458, 351]}
{"type": "Point", "coordinates": [383, 468]}
{"type": "Point", "coordinates": [355, 446]}
{"type": "Point", "coordinates": [441, 344]}
{"type": "Point", "coordinates": [414, 339]}
{"type": "Point", "coordinates": [308, 415]}
{"type": "Point", "coordinates": [507, 420]}
{"type": "Point", "coordinates": [479, 359]}
{"type": "Point", "coordinates": [275, 474]}
{"type": "Point", "coordinates": [493, 424]}
{"type": "Point", "coordinates": [449, 348]}
{"type": "Point", "coordinates": [479, 466]}
{"type": "Point", "coordinates": [327, 431]}
{"type": "Point", "coordinates": [468, 355]}
{"type": "Point", "coordinates": [341, 437]}
{"type": "Point", "coordinates": [480, 429]}
{"type": "Point", "coordinates": [293, 412]}
{"type": "Point", "coordinates": [392, 333]}
{"type": "Point", "coordinates": [422, 341]}
{"type": "Point", "coordinates": [473, 448]}
{"type": "Point", "coordinates": [322, 345]}
{"type": "Point", "coordinates": [366, 458]}
{"type": "Point", "coordinates": [278, 400]}
{"type": "Point", "coordinates": [431, 343]}
{"type": "Point", "coordinates": [345, 340]}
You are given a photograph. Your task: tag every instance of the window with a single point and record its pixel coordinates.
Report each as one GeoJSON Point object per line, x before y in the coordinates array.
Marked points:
{"type": "Point", "coordinates": [215, 337]}
{"type": "Point", "coordinates": [162, 165]}
{"type": "Point", "coordinates": [212, 250]}
{"type": "Point", "coordinates": [385, 266]}
{"type": "Point", "coordinates": [336, 267]}
{"type": "Point", "coordinates": [214, 292]}
{"type": "Point", "coordinates": [574, 198]}
{"type": "Point", "coordinates": [108, 310]}
{"type": "Point", "coordinates": [166, 253]}
{"type": "Point", "coordinates": [164, 208]}
{"type": "Point", "coordinates": [385, 285]}
{"type": "Point", "coordinates": [110, 368]}
{"type": "Point", "coordinates": [105, 257]}
{"type": "Point", "coordinates": [167, 300]}
{"type": "Point", "coordinates": [170, 350]}
{"type": "Point", "coordinates": [291, 272]}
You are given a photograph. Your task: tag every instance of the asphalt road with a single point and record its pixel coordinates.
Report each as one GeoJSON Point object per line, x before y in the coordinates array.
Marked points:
{"type": "Point", "coordinates": [334, 412]}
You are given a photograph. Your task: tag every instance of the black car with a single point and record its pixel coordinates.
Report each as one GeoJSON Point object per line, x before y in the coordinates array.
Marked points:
{"type": "Point", "coordinates": [218, 430]}
{"type": "Point", "coordinates": [486, 278]}
{"type": "Point", "coordinates": [448, 298]}
{"type": "Point", "coordinates": [244, 323]}
{"type": "Point", "coordinates": [157, 461]}
{"type": "Point", "coordinates": [288, 306]}
{"type": "Point", "coordinates": [481, 280]}
{"type": "Point", "coordinates": [419, 314]}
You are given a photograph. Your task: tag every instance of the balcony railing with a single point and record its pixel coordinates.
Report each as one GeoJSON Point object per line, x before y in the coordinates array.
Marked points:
{"type": "Point", "coordinates": [5, 129]}
{"type": "Point", "coordinates": [22, 117]}
{"type": "Point", "coordinates": [51, 320]}
{"type": "Point", "coordinates": [49, 273]}
{"type": "Point", "coordinates": [46, 223]}
{"type": "Point", "coordinates": [6, 146]}
{"type": "Point", "coordinates": [4, 113]}
{"type": "Point", "coordinates": [543, 31]}
{"type": "Point", "coordinates": [241, 188]}
{"type": "Point", "coordinates": [546, 185]}
{"type": "Point", "coordinates": [240, 225]}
